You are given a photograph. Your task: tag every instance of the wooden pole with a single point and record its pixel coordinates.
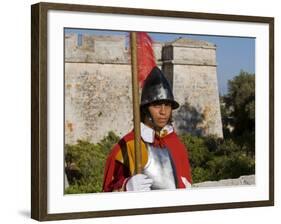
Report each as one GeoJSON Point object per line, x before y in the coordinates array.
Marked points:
{"type": "Point", "coordinates": [136, 103]}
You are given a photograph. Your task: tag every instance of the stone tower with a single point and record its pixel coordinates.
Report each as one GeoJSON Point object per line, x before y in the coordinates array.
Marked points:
{"type": "Point", "coordinates": [190, 66]}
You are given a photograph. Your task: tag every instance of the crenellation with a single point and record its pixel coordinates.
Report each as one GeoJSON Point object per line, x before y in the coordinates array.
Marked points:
{"type": "Point", "coordinates": [96, 49]}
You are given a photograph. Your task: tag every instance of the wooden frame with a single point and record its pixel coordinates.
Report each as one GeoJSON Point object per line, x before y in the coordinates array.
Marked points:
{"type": "Point", "coordinates": [39, 109]}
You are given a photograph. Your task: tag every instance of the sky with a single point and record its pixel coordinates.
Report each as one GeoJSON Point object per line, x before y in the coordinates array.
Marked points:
{"type": "Point", "coordinates": [233, 53]}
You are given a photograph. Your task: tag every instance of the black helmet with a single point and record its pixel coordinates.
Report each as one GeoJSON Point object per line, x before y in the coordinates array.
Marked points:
{"type": "Point", "coordinates": [157, 88]}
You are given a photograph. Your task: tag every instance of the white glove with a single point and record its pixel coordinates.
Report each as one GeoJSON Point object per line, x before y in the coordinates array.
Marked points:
{"type": "Point", "coordinates": [139, 182]}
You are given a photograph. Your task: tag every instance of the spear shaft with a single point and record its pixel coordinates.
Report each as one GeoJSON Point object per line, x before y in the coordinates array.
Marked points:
{"type": "Point", "coordinates": [136, 105]}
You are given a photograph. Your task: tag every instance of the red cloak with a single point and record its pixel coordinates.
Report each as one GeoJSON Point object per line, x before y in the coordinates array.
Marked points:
{"type": "Point", "coordinates": [116, 172]}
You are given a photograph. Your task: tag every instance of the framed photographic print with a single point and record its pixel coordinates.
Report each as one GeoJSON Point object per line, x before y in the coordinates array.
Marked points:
{"type": "Point", "coordinates": [92, 69]}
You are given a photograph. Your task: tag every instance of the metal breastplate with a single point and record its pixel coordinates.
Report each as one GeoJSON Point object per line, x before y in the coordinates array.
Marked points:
{"type": "Point", "coordinates": [159, 168]}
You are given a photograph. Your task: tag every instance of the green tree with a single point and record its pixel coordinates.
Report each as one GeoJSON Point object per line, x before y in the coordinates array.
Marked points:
{"type": "Point", "coordinates": [239, 110]}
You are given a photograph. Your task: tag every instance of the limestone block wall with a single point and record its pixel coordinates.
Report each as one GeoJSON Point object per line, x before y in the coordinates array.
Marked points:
{"type": "Point", "coordinates": [98, 94]}
{"type": "Point", "coordinates": [242, 180]}
{"type": "Point", "coordinates": [98, 90]}
{"type": "Point", "coordinates": [98, 100]}
{"type": "Point", "coordinates": [157, 50]}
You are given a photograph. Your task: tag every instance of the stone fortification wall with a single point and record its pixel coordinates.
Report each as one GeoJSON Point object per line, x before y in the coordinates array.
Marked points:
{"type": "Point", "coordinates": [98, 86]}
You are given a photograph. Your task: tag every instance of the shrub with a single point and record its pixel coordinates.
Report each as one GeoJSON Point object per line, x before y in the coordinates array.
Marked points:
{"type": "Point", "coordinates": [210, 158]}
{"type": "Point", "coordinates": [197, 150]}
{"type": "Point", "coordinates": [89, 160]}
{"type": "Point", "coordinates": [238, 164]}
{"type": "Point", "coordinates": [107, 142]}
{"type": "Point", "coordinates": [214, 159]}
{"type": "Point", "coordinates": [200, 174]}
{"type": "Point", "coordinates": [227, 147]}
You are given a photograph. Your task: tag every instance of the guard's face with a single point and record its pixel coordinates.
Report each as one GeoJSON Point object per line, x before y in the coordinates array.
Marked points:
{"type": "Point", "coordinates": [160, 112]}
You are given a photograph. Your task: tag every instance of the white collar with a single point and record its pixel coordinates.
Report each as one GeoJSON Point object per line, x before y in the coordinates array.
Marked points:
{"type": "Point", "coordinates": [148, 134]}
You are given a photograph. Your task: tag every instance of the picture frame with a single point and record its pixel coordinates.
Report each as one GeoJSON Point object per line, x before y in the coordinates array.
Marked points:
{"type": "Point", "coordinates": [44, 90]}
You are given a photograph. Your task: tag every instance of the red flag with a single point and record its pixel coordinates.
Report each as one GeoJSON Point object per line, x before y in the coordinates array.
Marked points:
{"type": "Point", "coordinates": [145, 56]}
